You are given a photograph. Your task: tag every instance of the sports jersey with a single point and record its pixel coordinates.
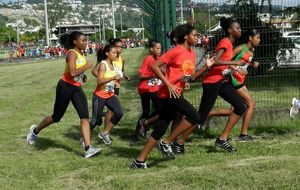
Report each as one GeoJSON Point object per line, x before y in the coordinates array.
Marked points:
{"type": "Point", "coordinates": [180, 62]}
{"type": "Point", "coordinates": [215, 72]}
{"type": "Point", "coordinates": [80, 62]}
{"type": "Point", "coordinates": [245, 55]}
{"type": "Point", "coordinates": [106, 90]}
{"type": "Point", "coordinates": [148, 85]}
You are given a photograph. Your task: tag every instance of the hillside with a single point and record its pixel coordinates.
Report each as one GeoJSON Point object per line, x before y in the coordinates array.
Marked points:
{"type": "Point", "coordinates": [30, 14]}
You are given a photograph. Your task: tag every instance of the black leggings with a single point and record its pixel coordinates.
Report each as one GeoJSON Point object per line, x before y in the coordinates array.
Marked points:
{"type": "Point", "coordinates": [65, 93]}
{"type": "Point", "coordinates": [146, 100]}
{"type": "Point", "coordinates": [111, 103]}
{"type": "Point", "coordinates": [226, 91]}
{"type": "Point", "coordinates": [169, 107]}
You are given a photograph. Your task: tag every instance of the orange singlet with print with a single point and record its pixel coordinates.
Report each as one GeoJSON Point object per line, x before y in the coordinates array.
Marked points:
{"type": "Point", "coordinates": [214, 74]}
{"type": "Point", "coordinates": [80, 62]}
{"type": "Point", "coordinates": [180, 62]}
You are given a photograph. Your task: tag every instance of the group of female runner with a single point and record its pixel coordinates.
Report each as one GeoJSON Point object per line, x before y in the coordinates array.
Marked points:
{"type": "Point", "coordinates": [108, 71]}
{"type": "Point", "coordinates": [225, 77]}
{"type": "Point", "coordinates": [162, 81]}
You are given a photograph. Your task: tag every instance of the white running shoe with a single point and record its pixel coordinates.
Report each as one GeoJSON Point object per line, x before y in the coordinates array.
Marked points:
{"type": "Point", "coordinates": [105, 138]}
{"type": "Point", "coordinates": [91, 152]}
{"type": "Point", "coordinates": [294, 109]}
{"type": "Point", "coordinates": [31, 137]}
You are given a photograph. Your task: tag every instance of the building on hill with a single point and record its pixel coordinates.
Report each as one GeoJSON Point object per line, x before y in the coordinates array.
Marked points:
{"type": "Point", "coordinates": [88, 29]}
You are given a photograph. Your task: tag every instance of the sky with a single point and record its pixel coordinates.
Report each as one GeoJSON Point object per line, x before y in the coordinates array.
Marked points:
{"type": "Point", "coordinates": [275, 2]}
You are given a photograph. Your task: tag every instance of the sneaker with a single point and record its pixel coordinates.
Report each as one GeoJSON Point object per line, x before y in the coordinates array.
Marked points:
{"type": "Point", "coordinates": [177, 148]}
{"type": "Point", "coordinates": [245, 138]}
{"type": "Point", "coordinates": [105, 138]}
{"type": "Point", "coordinates": [166, 149]}
{"type": "Point", "coordinates": [81, 141]}
{"type": "Point", "coordinates": [225, 145]}
{"type": "Point", "coordinates": [294, 109]}
{"type": "Point", "coordinates": [31, 137]}
{"type": "Point", "coordinates": [91, 152]}
{"type": "Point", "coordinates": [138, 165]}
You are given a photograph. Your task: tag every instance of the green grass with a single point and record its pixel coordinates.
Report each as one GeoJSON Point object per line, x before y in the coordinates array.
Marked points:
{"type": "Point", "coordinates": [27, 95]}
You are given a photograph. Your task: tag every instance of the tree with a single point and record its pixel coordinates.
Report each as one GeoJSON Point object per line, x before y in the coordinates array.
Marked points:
{"type": "Point", "coordinates": [6, 34]}
{"type": "Point", "coordinates": [245, 12]}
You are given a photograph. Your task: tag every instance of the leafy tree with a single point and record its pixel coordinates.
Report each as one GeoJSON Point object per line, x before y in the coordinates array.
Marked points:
{"type": "Point", "coordinates": [6, 34]}
{"type": "Point", "coordinates": [245, 12]}
{"type": "Point", "coordinates": [3, 20]}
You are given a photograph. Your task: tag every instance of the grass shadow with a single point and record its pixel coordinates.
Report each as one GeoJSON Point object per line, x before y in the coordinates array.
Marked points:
{"type": "Point", "coordinates": [156, 163]}
{"type": "Point", "coordinates": [210, 148]}
{"type": "Point", "coordinates": [273, 130]}
{"type": "Point", "coordinates": [126, 152]}
{"type": "Point", "coordinates": [73, 132]}
{"type": "Point", "coordinates": [123, 132]}
{"type": "Point", "coordinates": [46, 143]}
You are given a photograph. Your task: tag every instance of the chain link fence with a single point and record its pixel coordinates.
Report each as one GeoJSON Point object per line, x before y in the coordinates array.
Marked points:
{"type": "Point", "coordinates": [277, 79]}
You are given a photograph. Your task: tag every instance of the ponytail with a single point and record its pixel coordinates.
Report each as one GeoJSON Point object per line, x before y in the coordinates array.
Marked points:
{"type": "Point", "coordinates": [67, 40]}
{"type": "Point", "coordinates": [101, 53]}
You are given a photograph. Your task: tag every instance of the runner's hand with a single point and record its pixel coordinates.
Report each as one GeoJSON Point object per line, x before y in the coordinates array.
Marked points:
{"type": "Point", "coordinates": [173, 90]}
{"type": "Point", "coordinates": [255, 64]}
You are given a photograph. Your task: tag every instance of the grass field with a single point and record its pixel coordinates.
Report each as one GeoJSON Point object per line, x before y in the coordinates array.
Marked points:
{"type": "Point", "coordinates": [55, 162]}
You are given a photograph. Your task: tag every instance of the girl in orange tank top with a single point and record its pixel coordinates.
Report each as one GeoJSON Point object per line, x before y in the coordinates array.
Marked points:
{"type": "Point", "coordinates": [69, 90]}
{"type": "Point", "coordinates": [104, 94]}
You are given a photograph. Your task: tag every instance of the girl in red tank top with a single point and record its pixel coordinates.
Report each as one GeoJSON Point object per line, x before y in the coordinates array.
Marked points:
{"type": "Point", "coordinates": [243, 52]}
{"type": "Point", "coordinates": [214, 85]}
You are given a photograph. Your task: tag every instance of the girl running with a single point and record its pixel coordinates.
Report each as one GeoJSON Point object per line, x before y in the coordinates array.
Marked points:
{"type": "Point", "coordinates": [104, 95]}
{"type": "Point", "coordinates": [148, 87]}
{"type": "Point", "coordinates": [237, 77]}
{"type": "Point", "coordinates": [180, 63]}
{"type": "Point", "coordinates": [215, 84]}
{"type": "Point", "coordinates": [119, 63]}
{"type": "Point", "coordinates": [69, 89]}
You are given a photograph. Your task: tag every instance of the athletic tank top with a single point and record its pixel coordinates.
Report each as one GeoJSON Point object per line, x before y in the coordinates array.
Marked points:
{"type": "Point", "coordinates": [119, 65]}
{"type": "Point", "coordinates": [245, 55]}
{"type": "Point", "coordinates": [80, 62]}
{"type": "Point", "coordinates": [107, 90]}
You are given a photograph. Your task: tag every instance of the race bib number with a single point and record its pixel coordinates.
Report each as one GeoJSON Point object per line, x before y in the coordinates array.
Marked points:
{"type": "Point", "coordinates": [152, 82]}
{"type": "Point", "coordinates": [79, 78]}
{"type": "Point", "coordinates": [110, 87]}
{"type": "Point", "coordinates": [227, 73]}
{"type": "Point", "coordinates": [242, 69]}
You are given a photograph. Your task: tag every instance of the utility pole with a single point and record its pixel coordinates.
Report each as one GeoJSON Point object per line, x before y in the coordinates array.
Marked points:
{"type": "Point", "coordinates": [282, 18]}
{"type": "Point", "coordinates": [192, 13]}
{"type": "Point", "coordinates": [121, 24]}
{"type": "Point", "coordinates": [143, 30]}
{"type": "Point", "coordinates": [18, 32]}
{"type": "Point", "coordinates": [208, 20]}
{"type": "Point", "coordinates": [46, 23]}
{"type": "Point", "coordinates": [181, 12]}
{"type": "Point", "coordinates": [103, 28]}
{"type": "Point", "coordinates": [99, 25]}
{"type": "Point", "coordinates": [113, 18]}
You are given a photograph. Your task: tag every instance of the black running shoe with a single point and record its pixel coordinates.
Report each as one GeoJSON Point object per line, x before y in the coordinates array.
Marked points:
{"type": "Point", "coordinates": [166, 150]}
{"type": "Point", "coordinates": [225, 145]}
{"type": "Point", "coordinates": [138, 165]}
{"type": "Point", "coordinates": [177, 148]}
{"type": "Point", "coordinates": [245, 138]}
